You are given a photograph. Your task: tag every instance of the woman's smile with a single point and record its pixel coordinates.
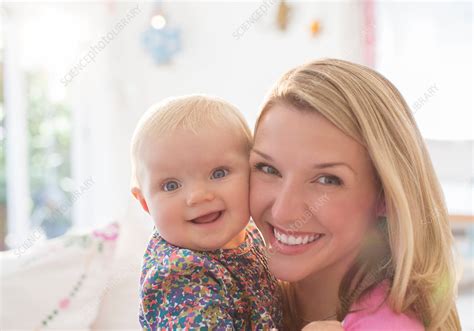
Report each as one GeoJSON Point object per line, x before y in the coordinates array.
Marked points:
{"type": "Point", "coordinates": [295, 238]}
{"type": "Point", "coordinates": [291, 242]}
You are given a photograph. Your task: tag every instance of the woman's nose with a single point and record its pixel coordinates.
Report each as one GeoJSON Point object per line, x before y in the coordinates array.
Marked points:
{"type": "Point", "coordinates": [199, 194]}
{"type": "Point", "coordinates": [289, 204]}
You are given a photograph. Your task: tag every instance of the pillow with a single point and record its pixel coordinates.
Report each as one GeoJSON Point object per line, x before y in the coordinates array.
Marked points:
{"type": "Point", "coordinates": [120, 303]}
{"type": "Point", "coordinates": [57, 284]}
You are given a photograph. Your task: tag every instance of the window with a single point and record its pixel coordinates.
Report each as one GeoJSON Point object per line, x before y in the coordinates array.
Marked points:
{"type": "Point", "coordinates": [49, 166]}
{"type": "Point", "coordinates": [35, 128]}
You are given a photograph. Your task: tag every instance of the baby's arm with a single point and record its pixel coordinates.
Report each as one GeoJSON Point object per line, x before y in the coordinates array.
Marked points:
{"type": "Point", "coordinates": [186, 295]}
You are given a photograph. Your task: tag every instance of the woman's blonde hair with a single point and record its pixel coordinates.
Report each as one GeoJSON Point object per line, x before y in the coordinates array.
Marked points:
{"type": "Point", "coordinates": [190, 112]}
{"type": "Point", "coordinates": [414, 241]}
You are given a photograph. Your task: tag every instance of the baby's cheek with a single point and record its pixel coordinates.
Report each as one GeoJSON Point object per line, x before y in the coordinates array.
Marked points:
{"type": "Point", "coordinates": [240, 185]}
{"type": "Point", "coordinates": [257, 197]}
{"type": "Point", "coordinates": [167, 212]}
{"type": "Point", "coordinates": [242, 194]}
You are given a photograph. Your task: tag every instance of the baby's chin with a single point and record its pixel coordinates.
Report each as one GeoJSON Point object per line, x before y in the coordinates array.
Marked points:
{"type": "Point", "coordinates": [200, 246]}
{"type": "Point", "coordinates": [226, 243]}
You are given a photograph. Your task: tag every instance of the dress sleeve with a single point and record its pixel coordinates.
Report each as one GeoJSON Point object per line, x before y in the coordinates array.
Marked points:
{"type": "Point", "coordinates": [187, 294]}
{"type": "Point", "coordinates": [372, 312]}
{"type": "Point", "coordinates": [383, 319]}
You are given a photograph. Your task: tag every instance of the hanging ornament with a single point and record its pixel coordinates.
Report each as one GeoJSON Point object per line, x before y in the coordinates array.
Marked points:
{"type": "Point", "coordinates": [283, 13]}
{"type": "Point", "coordinates": [160, 39]}
{"type": "Point", "coordinates": [315, 28]}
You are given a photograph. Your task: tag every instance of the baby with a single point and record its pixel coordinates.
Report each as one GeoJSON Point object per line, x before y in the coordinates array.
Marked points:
{"type": "Point", "coordinates": [204, 265]}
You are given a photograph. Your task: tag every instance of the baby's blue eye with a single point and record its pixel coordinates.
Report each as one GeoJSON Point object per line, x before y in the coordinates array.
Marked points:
{"type": "Point", "coordinates": [219, 173]}
{"type": "Point", "coordinates": [171, 186]}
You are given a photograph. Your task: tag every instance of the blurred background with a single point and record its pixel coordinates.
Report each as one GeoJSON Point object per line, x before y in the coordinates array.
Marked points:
{"type": "Point", "coordinates": [76, 76]}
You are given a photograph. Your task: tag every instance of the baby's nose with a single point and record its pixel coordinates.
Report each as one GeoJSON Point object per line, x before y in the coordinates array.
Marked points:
{"type": "Point", "coordinates": [199, 195]}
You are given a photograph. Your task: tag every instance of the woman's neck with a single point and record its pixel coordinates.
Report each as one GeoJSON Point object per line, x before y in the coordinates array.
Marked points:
{"type": "Point", "coordinates": [317, 296]}
{"type": "Point", "coordinates": [316, 299]}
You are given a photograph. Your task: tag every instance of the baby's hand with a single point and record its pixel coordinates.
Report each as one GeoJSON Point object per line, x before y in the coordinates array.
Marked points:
{"type": "Point", "coordinates": [324, 326]}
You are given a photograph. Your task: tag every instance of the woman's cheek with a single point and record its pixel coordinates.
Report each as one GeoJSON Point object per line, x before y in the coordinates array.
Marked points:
{"type": "Point", "coordinates": [329, 211]}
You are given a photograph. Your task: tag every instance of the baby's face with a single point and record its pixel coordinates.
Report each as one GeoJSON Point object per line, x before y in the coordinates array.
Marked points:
{"type": "Point", "coordinates": [196, 187]}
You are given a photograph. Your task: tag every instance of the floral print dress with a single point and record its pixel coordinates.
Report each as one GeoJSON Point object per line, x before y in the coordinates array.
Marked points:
{"type": "Point", "coordinates": [225, 289]}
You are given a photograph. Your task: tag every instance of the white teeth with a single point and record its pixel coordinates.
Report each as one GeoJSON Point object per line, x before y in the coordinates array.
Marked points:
{"type": "Point", "coordinates": [294, 240]}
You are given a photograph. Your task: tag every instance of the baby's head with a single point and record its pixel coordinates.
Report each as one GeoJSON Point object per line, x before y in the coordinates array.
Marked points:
{"type": "Point", "coordinates": [190, 171]}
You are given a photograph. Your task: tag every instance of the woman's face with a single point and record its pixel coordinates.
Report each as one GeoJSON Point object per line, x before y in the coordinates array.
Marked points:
{"type": "Point", "coordinates": [313, 193]}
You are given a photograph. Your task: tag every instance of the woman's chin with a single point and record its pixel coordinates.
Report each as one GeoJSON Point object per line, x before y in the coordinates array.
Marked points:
{"type": "Point", "coordinates": [285, 271]}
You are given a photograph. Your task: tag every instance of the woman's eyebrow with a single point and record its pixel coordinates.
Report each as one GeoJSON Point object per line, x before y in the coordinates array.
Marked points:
{"type": "Point", "coordinates": [317, 166]}
{"type": "Point", "coordinates": [333, 164]}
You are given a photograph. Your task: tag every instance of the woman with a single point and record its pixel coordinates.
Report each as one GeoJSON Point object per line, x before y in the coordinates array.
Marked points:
{"type": "Point", "coordinates": [346, 197]}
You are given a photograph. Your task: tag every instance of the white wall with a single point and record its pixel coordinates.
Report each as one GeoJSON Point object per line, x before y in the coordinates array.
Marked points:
{"type": "Point", "coordinates": [454, 164]}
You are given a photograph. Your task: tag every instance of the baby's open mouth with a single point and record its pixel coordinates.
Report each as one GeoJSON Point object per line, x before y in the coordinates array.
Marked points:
{"type": "Point", "coordinates": [207, 218]}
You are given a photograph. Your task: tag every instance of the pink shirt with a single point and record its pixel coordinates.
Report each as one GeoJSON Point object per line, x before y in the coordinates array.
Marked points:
{"type": "Point", "coordinates": [382, 318]}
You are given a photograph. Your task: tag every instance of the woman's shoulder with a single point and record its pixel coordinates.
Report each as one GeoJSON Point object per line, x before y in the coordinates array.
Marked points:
{"type": "Point", "coordinates": [372, 312]}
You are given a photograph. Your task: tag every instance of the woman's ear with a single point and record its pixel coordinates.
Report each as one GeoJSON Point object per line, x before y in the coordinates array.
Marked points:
{"type": "Point", "coordinates": [137, 193]}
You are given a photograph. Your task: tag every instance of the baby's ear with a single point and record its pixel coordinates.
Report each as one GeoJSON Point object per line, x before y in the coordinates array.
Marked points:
{"type": "Point", "coordinates": [137, 193]}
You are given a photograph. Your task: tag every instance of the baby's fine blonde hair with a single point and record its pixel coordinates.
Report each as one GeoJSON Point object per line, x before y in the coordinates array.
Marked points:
{"type": "Point", "coordinates": [414, 245]}
{"type": "Point", "coordinates": [190, 112]}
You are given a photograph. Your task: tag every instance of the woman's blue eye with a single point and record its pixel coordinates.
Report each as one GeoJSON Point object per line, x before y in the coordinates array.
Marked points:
{"type": "Point", "coordinates": [329, 180]}
{"type": "Point", "coordinates": [267, 169]}
{"type": "Point", "coordinates": [219, 173]}
{"type": "Point", "coordinates": [171, 186]}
